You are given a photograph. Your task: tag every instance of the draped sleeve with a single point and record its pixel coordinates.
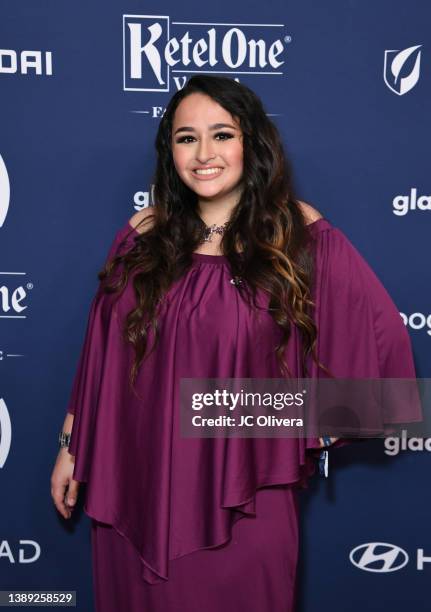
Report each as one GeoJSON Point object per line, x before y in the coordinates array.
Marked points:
{"type": "Point", "coordinates": [360, 333]}
{"type": "Point", "coordinates": [84, 392]}
{"type": "Point", "coordinates": [170, 495]}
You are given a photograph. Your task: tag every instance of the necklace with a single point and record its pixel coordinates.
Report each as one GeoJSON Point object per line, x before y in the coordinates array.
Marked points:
{"type": "Point", "coordinates": [219, 229]}
{"type": "Point", "coordinates": [213, 229]}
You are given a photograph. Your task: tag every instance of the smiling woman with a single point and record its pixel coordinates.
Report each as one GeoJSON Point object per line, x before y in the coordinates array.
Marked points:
{"type": "Point", "coordinates": [209, 158]}
{"type": "Point", "coordinates": [212, 523]}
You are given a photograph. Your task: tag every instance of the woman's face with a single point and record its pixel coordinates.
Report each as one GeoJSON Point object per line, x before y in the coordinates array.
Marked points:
{"type": "Point", "coordinates": [204, 135]}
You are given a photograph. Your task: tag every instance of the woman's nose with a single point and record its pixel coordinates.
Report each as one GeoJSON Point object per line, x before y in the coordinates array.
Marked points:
{"type": "Point", "coordinates": [204, 152]}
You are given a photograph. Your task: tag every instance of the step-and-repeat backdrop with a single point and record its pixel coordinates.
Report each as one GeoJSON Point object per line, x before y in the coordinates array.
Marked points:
{"type": "Point", "coordinates": [82, 89]}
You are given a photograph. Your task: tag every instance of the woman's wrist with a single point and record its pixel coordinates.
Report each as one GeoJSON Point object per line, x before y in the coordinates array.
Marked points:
{"type": "Point", "coordinates": [64, 439]}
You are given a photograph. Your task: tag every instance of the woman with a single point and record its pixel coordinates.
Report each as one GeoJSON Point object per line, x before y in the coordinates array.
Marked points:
{"type": "Point", "coordinates": [183, 282]}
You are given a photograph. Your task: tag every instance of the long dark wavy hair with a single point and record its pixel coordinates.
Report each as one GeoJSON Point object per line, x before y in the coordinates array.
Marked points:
{"type": "Point", "coordinates": [267, 223]}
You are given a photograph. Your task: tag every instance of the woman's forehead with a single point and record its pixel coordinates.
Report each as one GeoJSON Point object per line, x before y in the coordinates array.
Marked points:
{"type": "Point", "coordinates": [202, 111]}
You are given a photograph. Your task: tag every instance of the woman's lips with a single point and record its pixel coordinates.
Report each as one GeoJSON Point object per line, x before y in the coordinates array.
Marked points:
{"type": "Point", "coordinates": [209, 175]}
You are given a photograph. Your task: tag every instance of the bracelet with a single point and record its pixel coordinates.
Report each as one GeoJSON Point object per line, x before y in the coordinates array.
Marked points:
{"type": "Point", "coordinates": [64, 439]}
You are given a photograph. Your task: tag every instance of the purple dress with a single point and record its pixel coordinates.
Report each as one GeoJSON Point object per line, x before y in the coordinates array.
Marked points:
{"type": "Point", "coordinates": [166, 510]}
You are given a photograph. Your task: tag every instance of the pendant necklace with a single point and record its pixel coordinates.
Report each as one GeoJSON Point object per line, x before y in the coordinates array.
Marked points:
{"type": "Point", "coordinates": [213, 229]}
{"type": "Point", "coordinates": [220, 229]}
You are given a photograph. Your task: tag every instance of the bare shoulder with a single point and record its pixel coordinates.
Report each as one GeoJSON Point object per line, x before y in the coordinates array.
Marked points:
{"type": "Point", "coordinates": [142, 220]}
{"type": "Point", "coordinates": [310, 213]}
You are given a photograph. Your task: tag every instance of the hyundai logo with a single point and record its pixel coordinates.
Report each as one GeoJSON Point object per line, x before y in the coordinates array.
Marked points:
{"type": "Point", "coordinates": [379, 557]}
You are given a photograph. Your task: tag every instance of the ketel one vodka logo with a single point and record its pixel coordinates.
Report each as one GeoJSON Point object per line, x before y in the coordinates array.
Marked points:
{"type": "Point", "coordinates": [401, 69]}
{"type": "Point", "coordinates": [13, 296]}
{"type": "Point", "coordinates": [154, 47]}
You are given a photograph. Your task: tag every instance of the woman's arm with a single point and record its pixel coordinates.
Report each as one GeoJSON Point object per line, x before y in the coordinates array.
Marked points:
{"type": "Point", "coordinates": [64, 489]}
{"type": "Point", "coordinates": [68, 422]}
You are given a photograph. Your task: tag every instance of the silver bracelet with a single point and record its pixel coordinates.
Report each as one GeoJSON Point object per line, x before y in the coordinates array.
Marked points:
{"type": "Point", "coordinates": [64, 439]}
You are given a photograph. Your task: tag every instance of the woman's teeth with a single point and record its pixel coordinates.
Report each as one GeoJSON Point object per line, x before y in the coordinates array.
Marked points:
{"type": "Point", "coordinates": [209, 171]}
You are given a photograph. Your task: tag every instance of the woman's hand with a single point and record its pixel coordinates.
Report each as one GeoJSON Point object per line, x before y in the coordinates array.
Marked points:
{"type": "Point", "coordinates": [61, 479]}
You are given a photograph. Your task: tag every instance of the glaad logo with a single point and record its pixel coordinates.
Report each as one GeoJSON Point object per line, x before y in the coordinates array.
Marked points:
{"type": "Point", "coordinates": [379, 557]}
{"type": "Point", "coordinates": [23, 555]}
{"type": "Point", "coordinates": [395, 63]}
{"type": "Point", "coordinates": [403, 203]}
{"type": "Point", "coordinates": [393, 445]}
{"type": "Point", "coordinates": [417, 320]}
{"type": "Point", "coordinates": [149, 50]}
{"type": "Point", "coordinates": [39, 62]}
{"type": "Point", "coordinates": [5, 432]}
{"type": "Point", "coordinates": [4, 191]}
{"type": "Point", "coordinates": [142, 199]}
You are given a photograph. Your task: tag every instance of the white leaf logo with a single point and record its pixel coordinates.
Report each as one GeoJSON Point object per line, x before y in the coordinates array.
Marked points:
{"type": "Point", "coordinates": [394, 62]}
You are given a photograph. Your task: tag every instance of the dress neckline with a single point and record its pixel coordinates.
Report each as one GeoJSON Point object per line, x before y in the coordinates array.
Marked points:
{"type": "Point", "coordinates": [208, 258]}
{"type": "Point", "coordinates": [205, 257]}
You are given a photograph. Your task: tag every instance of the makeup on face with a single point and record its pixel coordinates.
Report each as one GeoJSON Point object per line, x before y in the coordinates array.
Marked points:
{"type": "Point", "coordinates": [207, 148]}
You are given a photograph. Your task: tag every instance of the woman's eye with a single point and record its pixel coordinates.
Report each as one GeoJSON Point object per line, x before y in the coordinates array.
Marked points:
{"type": "Point", "coordinates": [226, 136]}
{"type": "Point", "coordinates": [183, 138]}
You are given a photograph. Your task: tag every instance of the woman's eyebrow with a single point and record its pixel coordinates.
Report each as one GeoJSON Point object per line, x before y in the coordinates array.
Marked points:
{"type": "Point", "coordinates": [215, 126]}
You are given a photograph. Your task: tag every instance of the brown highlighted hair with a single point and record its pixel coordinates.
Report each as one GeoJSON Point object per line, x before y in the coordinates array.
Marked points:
{"type": "Point", "coordinates": [267, 224]}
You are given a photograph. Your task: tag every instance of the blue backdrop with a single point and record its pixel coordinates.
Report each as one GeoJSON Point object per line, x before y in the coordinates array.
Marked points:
{"type": "Point", "coordinates": [82, 88]}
